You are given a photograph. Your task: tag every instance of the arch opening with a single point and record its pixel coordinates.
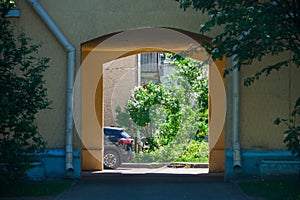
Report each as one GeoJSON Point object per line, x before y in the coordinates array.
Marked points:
{"type": "Point", "coordinates": [174, 99]}
{"type": "Point", "coordinates": [99, 51]}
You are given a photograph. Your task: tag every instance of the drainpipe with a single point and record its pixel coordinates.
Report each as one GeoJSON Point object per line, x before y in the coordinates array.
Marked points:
{"type": "Point", "coordinates": [235, 115]}
{"type": "Point", "coordinates": [236, 108]}
{"type": "Point", "coordinates": [138, 70]}
{"type": "Point", "coordinates": [71, 66]}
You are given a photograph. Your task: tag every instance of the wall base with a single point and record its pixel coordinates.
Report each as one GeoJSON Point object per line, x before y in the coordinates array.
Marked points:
{"type": "Point", "coordinates": [52, 165]}
{"type": "Point", "coordinates": [270, 168]}
{"type": "Point", "coordinates": [261, 164]}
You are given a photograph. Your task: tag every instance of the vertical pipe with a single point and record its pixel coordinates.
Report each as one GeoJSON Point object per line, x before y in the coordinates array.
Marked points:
{"type": "Point", "coordinates": [236, 107]}
{"type": "Point", "coordinates": [71, 67]}
{"type": "Point", "coordinates": [138, 71]}
{"type": "Point", "coordinates": [235, 114]}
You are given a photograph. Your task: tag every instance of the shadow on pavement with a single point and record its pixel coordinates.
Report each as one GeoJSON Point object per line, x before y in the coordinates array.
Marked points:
{"type": "Point", "coordinates": [158, 174]}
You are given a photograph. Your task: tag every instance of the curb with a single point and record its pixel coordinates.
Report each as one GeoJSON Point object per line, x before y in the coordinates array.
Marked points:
{"type": "Point", "coordinates": [187, 165]}
{"type": "Point", "coordinates": [170, 165]}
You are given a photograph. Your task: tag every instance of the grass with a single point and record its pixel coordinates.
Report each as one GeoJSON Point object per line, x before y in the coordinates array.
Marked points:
{"type": "Point", "coordinates": [273, 189]}
{"type": "Point", "coordinates": [34, 189]}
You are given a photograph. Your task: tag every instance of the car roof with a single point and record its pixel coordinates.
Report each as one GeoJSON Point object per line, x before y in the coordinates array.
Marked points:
{"type": "Point", "coordinates": [113, 128]}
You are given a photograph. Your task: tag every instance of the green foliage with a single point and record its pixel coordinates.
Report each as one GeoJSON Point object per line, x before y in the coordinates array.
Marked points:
{"type": "Point", "coordinates": [175, 112]}
{"type": "Point", "coordinates": [251, 30]}
{"type": "Point", "coordinates": [5, 6]}
{"type": "Point", "coordinates": [142, 101]}
{"type": "Point", "coordinates": [176, 152]}
{"type": "Point", "coordinates": [189, 84]}
{"type": "Point", "coordinates": [124, 120]}
{"type": "Point", "coordinates": [195, 151]}
{"type": "Point", "coordinates": [292, 134]}
{"type": "Point", "coordinates": [22, 96]}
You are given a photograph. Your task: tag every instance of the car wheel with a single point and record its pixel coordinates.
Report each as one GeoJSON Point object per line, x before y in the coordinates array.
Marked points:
{"type": "Point", "coordinates": [111, 159]}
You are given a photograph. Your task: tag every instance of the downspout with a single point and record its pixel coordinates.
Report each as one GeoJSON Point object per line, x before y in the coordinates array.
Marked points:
{"type": "Point", "coordinates": [235, 115]}
{"type": "Point", "coordinates": [236, 148]}
{"type": "Point", "coordinates": [71, 66]}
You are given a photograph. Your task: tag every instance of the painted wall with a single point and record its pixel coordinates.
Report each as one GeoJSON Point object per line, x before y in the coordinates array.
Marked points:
{"type": "Point", "coordinates": [82, 21]}
{"type": "Point", "coordinates": [260, 139]}
{"type": "Point", "coordinates": [261, 103]}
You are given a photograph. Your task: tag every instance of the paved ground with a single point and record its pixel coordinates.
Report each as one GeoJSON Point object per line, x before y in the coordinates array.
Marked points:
{"type": "Point", "coordinates": [153, 183]}
{"type": "Point", "coordinates": [131, 168]}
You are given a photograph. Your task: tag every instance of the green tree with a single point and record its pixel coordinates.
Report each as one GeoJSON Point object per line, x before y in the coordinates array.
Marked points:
{"type": "Point", "coordinates": [140, 105]}
{"type": "Point", "coordinates": [252, 30]}
{"type": "Point", "coordinates": [22, 96]}
{"type": "Point", "coordinates": [177, 135]}
{"type": "Point", "coordinates": [189, 84]}
{"type": "Point", "coordinates": [123, 120]}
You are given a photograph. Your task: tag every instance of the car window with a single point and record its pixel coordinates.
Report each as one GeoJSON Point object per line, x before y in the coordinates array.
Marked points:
{"type": "Point", "coordinates": [107, 132]}
{"type": "Point", "coordinates": [125, 135]}
{"type": "Point", "coordinates": [116, 133]}
{"type": "Point", "coordinates": [110, 132]}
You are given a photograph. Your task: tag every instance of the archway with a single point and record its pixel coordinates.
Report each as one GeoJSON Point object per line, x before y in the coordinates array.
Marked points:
{"type": "Point", "coordinates": [99, 51]}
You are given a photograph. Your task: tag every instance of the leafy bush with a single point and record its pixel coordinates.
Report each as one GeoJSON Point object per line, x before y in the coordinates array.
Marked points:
{"type": "Point", "coordinates": [193, 152]}
{"type": "Point", "coordinates": [147, 97]}
{"type": "Point", "coordinates": [292, 134]}
{"type": "Point", "coordinates": [173, 116]}
{"type": "Point", "coordinates": [22, 96]}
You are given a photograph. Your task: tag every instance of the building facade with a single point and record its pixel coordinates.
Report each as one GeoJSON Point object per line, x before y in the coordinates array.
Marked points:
{"type": "Point", "coordinates": [81, 36]}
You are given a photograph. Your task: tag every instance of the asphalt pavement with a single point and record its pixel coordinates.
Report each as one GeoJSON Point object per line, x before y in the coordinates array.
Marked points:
{"type": "Point", "coordinates": [145, 183]}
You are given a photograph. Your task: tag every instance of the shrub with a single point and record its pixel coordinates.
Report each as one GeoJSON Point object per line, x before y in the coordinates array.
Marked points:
{"type": "Point", "coordinates": [22, 96]}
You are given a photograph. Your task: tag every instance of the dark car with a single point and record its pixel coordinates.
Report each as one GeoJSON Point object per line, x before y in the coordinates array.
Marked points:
{"type": "Point", "coordinates": [117, 147]}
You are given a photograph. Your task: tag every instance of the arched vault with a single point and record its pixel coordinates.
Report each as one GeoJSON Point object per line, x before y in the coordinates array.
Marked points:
{"type": "Point", "coordinates": [107, 48]}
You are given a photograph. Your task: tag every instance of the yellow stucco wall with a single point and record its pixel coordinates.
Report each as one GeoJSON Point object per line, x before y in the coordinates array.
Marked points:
{"type": "Point", "coordinates": [82, 21]}
{"type": "Point", "coordinates": [261, 103]}
{"type": "Point", "coordinates": [51, 123]}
